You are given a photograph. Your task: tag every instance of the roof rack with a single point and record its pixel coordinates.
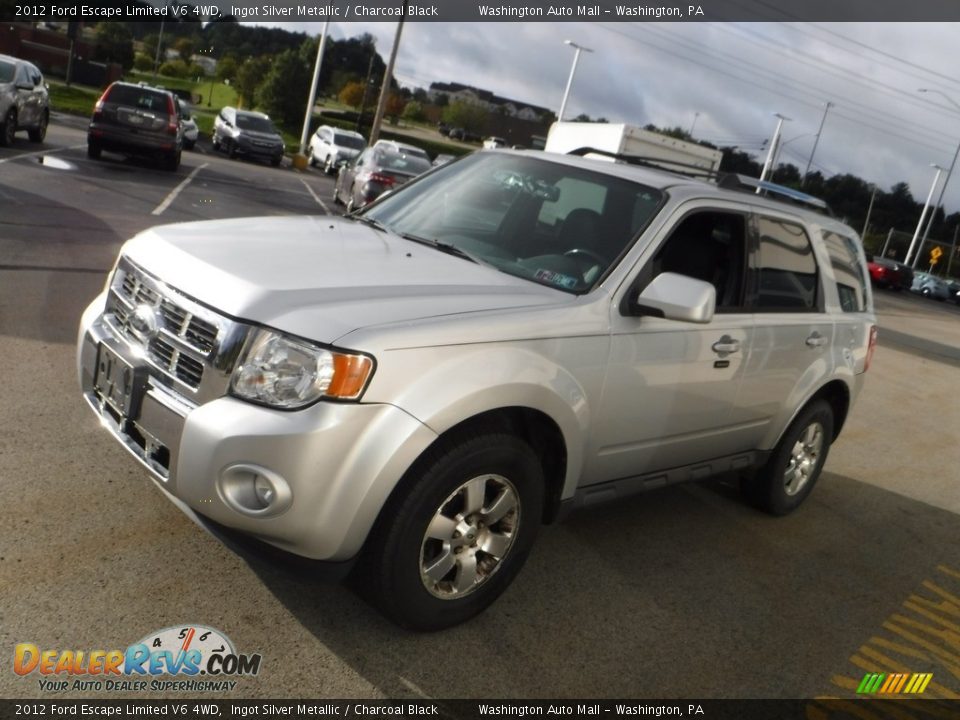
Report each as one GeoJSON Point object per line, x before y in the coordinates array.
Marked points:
{"type": "Point", "coordinates": [726, 180]}
{"type": "Point", "coordinates": [674, 166]}
{"type": "Point", "coordinates": [734, 181]}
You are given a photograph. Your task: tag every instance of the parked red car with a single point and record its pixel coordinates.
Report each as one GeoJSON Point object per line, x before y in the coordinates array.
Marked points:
{"type": "Point", "coordinates": [890, 274]}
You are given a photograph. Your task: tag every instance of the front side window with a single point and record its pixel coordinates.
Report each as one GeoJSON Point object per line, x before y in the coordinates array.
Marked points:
{"type": "Point", "coordinates": [708, 245]}
{"type": "Point", "coordinates": [787, 269]}
{"type": "Point", "coordinates": [7, 71]}
{"type": "Point", "coordinates": [547, 222]}
{"type": "Point", "coordinates": [254, 123]}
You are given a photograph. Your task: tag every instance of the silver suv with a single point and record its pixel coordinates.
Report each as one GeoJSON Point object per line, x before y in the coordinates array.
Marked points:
{"type": "Point", "coordinates": [509, 337]}
{"type": "Point", "coordinates": [24, 100]}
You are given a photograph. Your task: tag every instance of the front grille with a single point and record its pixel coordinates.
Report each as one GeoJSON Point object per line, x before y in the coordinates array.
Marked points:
{"type": "Point", "coordinates": [181, 342]}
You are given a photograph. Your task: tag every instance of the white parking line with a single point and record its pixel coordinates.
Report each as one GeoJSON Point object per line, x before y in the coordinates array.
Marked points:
{"type": "Point", "coordinates": [41, 152]}
{"type": "Point", "coordinates": [312, 193]}
{"type": "Point", "coordinates": [172, 195]}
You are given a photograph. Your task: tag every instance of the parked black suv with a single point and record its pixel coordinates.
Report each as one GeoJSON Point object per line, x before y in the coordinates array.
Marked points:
{"type": "Point", "coordinates": [137, 120]}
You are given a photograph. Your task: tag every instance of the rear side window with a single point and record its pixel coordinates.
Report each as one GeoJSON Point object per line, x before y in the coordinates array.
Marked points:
{"type": "Point", "coordinates": [787, 268]}
{"type": "Point", "coordinates": [848, 270]}
{"type": "Point", "coordinates": [139, 97]}
{"type": "Point", "coordinates": [7, 72]}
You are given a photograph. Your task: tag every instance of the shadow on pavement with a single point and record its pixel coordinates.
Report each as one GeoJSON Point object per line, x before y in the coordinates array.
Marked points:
{"type": "Point", "coordinates": [685, 592]}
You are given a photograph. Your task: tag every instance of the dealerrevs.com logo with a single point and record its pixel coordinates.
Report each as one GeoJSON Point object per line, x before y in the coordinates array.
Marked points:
{"type": "Point", "coordinates": [201, 657]}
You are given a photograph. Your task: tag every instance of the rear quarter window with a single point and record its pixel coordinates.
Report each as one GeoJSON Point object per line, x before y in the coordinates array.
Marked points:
{"type": "Point", "coordinates": [788, 278]}
{"type": "Point", "coordinates": [848, 270]}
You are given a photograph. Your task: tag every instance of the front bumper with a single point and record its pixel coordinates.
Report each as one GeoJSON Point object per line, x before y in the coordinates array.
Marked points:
{"type": "Point", "coordinates": [340, 460]}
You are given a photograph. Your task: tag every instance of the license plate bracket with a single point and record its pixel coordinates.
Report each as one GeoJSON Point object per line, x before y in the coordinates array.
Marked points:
{"type": "Point", "coordinates": [119, 382]}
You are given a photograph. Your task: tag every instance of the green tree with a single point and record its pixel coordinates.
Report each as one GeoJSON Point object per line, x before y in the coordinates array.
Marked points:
{"type": "Point", "coordinates": [175, 68]}
{"type": "Point", "coordinates": [283, 92]}
{"type": "Point", "coordinates": [227, 68]}
{"type": "Point", "coordinates": [442, 100]}
{"type": "Point", "coordinates": [114, 43]}
{"type": "Point", "coordinates": [143, 62]}
{"type": "Point", "coordinates": [185, 47]}
{"type": "Point", "coordinates": [470, 117]}
{"type": "Point", "coordinates": [395, 107]}
{"type": "Point", "coordinates": [196, 70]}
{"type": "Point", "coordinates": [249, 75]}
{"type": "Point", "coordinates": [414, 112]}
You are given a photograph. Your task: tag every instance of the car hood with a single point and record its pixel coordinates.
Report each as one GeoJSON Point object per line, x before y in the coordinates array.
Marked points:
{"type": "Point", "coordinates": [322, 277]}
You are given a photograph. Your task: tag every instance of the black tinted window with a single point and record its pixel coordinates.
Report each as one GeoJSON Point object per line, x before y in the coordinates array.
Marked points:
{"type": "Point", "coordinates": [849, 271]}
{"type": "Point", "coordinates": [708, 246]}
{"type": "Point", "coordinates": [348, 141]}
{"type": "Point", "coordinates": [787, 268]}
{"type": "Point", "coordinates": [139, 97]}
{"type": "Point", "coordinates": [255, 123]}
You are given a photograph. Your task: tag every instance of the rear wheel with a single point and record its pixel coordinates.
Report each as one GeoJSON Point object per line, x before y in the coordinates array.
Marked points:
{"type": "Point", "coordinates": [8, 128]}
{"type": "Point", "coordinates": [788, 477]}
{"type": "Point", "coordinates": [38, 133]}
{"type": "Point", "coordinates": [452, 541]}
{"type": "Point", "coordinates": [172, 161]}
{"type": "Point", "coordinates": [93, 151]}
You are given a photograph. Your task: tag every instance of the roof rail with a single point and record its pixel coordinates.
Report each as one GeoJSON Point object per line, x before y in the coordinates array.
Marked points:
{"type": "Point", "coordinates": [734, 181]}
{"type": "Point", "coordinates": [674, 166]}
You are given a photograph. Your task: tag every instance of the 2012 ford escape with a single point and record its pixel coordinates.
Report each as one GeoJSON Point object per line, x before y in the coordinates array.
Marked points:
{"type": "Point", "coordinates": [509, 337]}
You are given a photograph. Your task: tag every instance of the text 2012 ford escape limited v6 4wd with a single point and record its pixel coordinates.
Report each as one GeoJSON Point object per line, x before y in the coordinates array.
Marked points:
{"type": "Point", "coordinates": [508, 337]}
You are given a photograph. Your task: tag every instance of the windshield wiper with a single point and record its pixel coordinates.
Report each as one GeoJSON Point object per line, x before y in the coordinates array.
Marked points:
{"type": "Point", "coordinates": [444, 247]}
{"type": "Point", "coordinates": [372, 222]}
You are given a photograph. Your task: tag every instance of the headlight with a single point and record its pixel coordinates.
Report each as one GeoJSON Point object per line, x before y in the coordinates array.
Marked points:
{"type": "Point", "coordinates": [282, 372]}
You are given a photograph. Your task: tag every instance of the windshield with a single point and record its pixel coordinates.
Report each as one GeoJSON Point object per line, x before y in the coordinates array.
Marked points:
{"type": "Point", "coordinates": [543, 221]}
{"type": "Point", "coordinates": [348, 141]}
{"type": "Point", "coordinates": [7, 71]}
{"type": "Point", "coordinates": [255, 123]}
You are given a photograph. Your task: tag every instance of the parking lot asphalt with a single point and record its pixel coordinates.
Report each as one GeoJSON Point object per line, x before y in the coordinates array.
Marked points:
{"type": "Point", "coordinates": [684, 592]}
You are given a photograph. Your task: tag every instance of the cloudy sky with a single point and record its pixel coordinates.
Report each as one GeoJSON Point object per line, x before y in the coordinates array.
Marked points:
{"type": "Point", "coordinates": [736, 76]}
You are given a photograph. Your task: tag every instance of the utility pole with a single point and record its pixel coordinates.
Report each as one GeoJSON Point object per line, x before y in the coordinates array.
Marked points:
{"type": "Point", "coordinates": [946, 182]}
{"type": "Point", "coordinates": [953, 250]}
{"type": "Point", "coordinates": [866, 223]}
{"type": "Point", "coordinates": [313, 88]}
{"type": "Point", "coordinates": [573, 69]}
{"type": "Point", "coordinates": [816, 141]}
{"type": "Point", "coordinates": [923, 216]}
{"type": "Point", "coordinates": [366, 85]}
{"type": "Point", "coordinates": [387, 74]}
{"type": "Point", "coordinates": [883, 253]}
{"type": "Point", "coordinates": [772, 151]}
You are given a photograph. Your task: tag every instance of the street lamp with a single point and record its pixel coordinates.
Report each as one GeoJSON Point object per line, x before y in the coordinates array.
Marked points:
{"type": "Point", "coordinates": [952, 164]}
{"type": "Point", "coordinates": [774, 144]}
{"type": "Point", "coordinates": [573, 69]}
{"type": "Point", "coordinates": [923, 216]}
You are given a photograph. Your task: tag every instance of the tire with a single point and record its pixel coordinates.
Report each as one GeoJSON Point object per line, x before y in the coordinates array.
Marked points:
{"type": "Point", "coordinates": [8, 128]}
{"type": "Point", "coordinates": [788, 477]}
{"type": "Point", "coordinates": [172, 162]}
{"type": "Point", "coordinates": [231, 147]}
{"type": "Point", "coordinates": [276, 161]}
{"type": "Point", "coordinates": [925, 292]}
{"type": "Point", "coordinates": [328, 166]}
{"type": "Point", "coordinates": [336, 191]}
{"type": "Point", "coordinates": [350, 202]}
{"type": "Point", "coordinates": [311, 160]}
{"type": "Point", "coordinates": [432, 560]}
{"type": "Point", "coordinates": [38, 133]}
{"type": "Point", "coordinates": [189, 145]}
{"type": "Point", "coordinates": [216, 142]}
{"type": "Point", "coordinates": [93, 151]}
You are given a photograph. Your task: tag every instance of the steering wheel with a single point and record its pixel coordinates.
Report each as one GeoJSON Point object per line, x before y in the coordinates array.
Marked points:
{"type": "Point", "coordinates": [588, 254]}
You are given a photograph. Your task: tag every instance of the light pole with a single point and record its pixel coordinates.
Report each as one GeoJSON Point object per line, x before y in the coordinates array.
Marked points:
{"type": "Point", "coordinates": [776, 158]}
{"type": "Point", "coordinates": [806, 172]}
{"type": "Point", "coordinates": [774, 144]}
{"type": "Point", "coordinates": [694, 123]}
{"type": "Point", "coordinates": [952, 164]}
{"type": "Point", "coordinates": [311, 99]}
{"type": "Point", "coordinates": [573, 69]}
{"type": "Point", "coordinates": [923, 215]}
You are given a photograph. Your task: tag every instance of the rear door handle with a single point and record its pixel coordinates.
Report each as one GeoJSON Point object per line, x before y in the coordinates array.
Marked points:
{"type": "Point", "coordinates": [726, 345]}
{"type": "Point", "coordinates": [816, 340]}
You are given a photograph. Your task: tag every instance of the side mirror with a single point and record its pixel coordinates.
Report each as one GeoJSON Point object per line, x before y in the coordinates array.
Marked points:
{"type": "Point", "coordinates": [677, 297]}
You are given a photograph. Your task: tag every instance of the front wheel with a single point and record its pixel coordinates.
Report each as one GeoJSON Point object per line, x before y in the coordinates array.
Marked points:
{"type": "Point", "coordinates": [448, 545]}
{"type": "Point", "coordinates": [8, 128]}
{"type": "Point", "coordinates": [38, 133]}
{"type": "Point", "coordinates": [788, 477]}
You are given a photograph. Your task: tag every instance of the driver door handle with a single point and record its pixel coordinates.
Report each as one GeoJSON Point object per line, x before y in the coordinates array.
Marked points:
{"type": "Point", "coordinates": [726, 345]}
{"type": "Point", "coordinates": [816, 340]}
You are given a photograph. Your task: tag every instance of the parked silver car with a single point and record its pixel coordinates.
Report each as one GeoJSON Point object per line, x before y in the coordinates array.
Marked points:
{"type": "Point", "coordinates": [930, 286]}
{"type": "Point", "coordinates": [248, 134]}
{"type": "Point", "coordinates": [190, 130]}
{"type": "Point", "coordinates": [24, 100]}
{"type": "Point", "coordinates": [504, 339]}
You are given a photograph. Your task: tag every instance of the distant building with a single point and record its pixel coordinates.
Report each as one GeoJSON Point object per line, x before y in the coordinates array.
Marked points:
{"type": "Point", "coordinates": [486, 99]}
{"type": "Point", "coordinates": [208, 63]}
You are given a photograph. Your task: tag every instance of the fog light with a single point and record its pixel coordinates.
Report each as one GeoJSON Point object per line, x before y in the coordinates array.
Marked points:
{"type": "Point", "coordinates": [254, 490]}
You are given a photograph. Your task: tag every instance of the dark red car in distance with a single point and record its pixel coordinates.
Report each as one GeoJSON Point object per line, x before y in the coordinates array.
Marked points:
{"type": "Point", "coordinates": [889, 274]}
